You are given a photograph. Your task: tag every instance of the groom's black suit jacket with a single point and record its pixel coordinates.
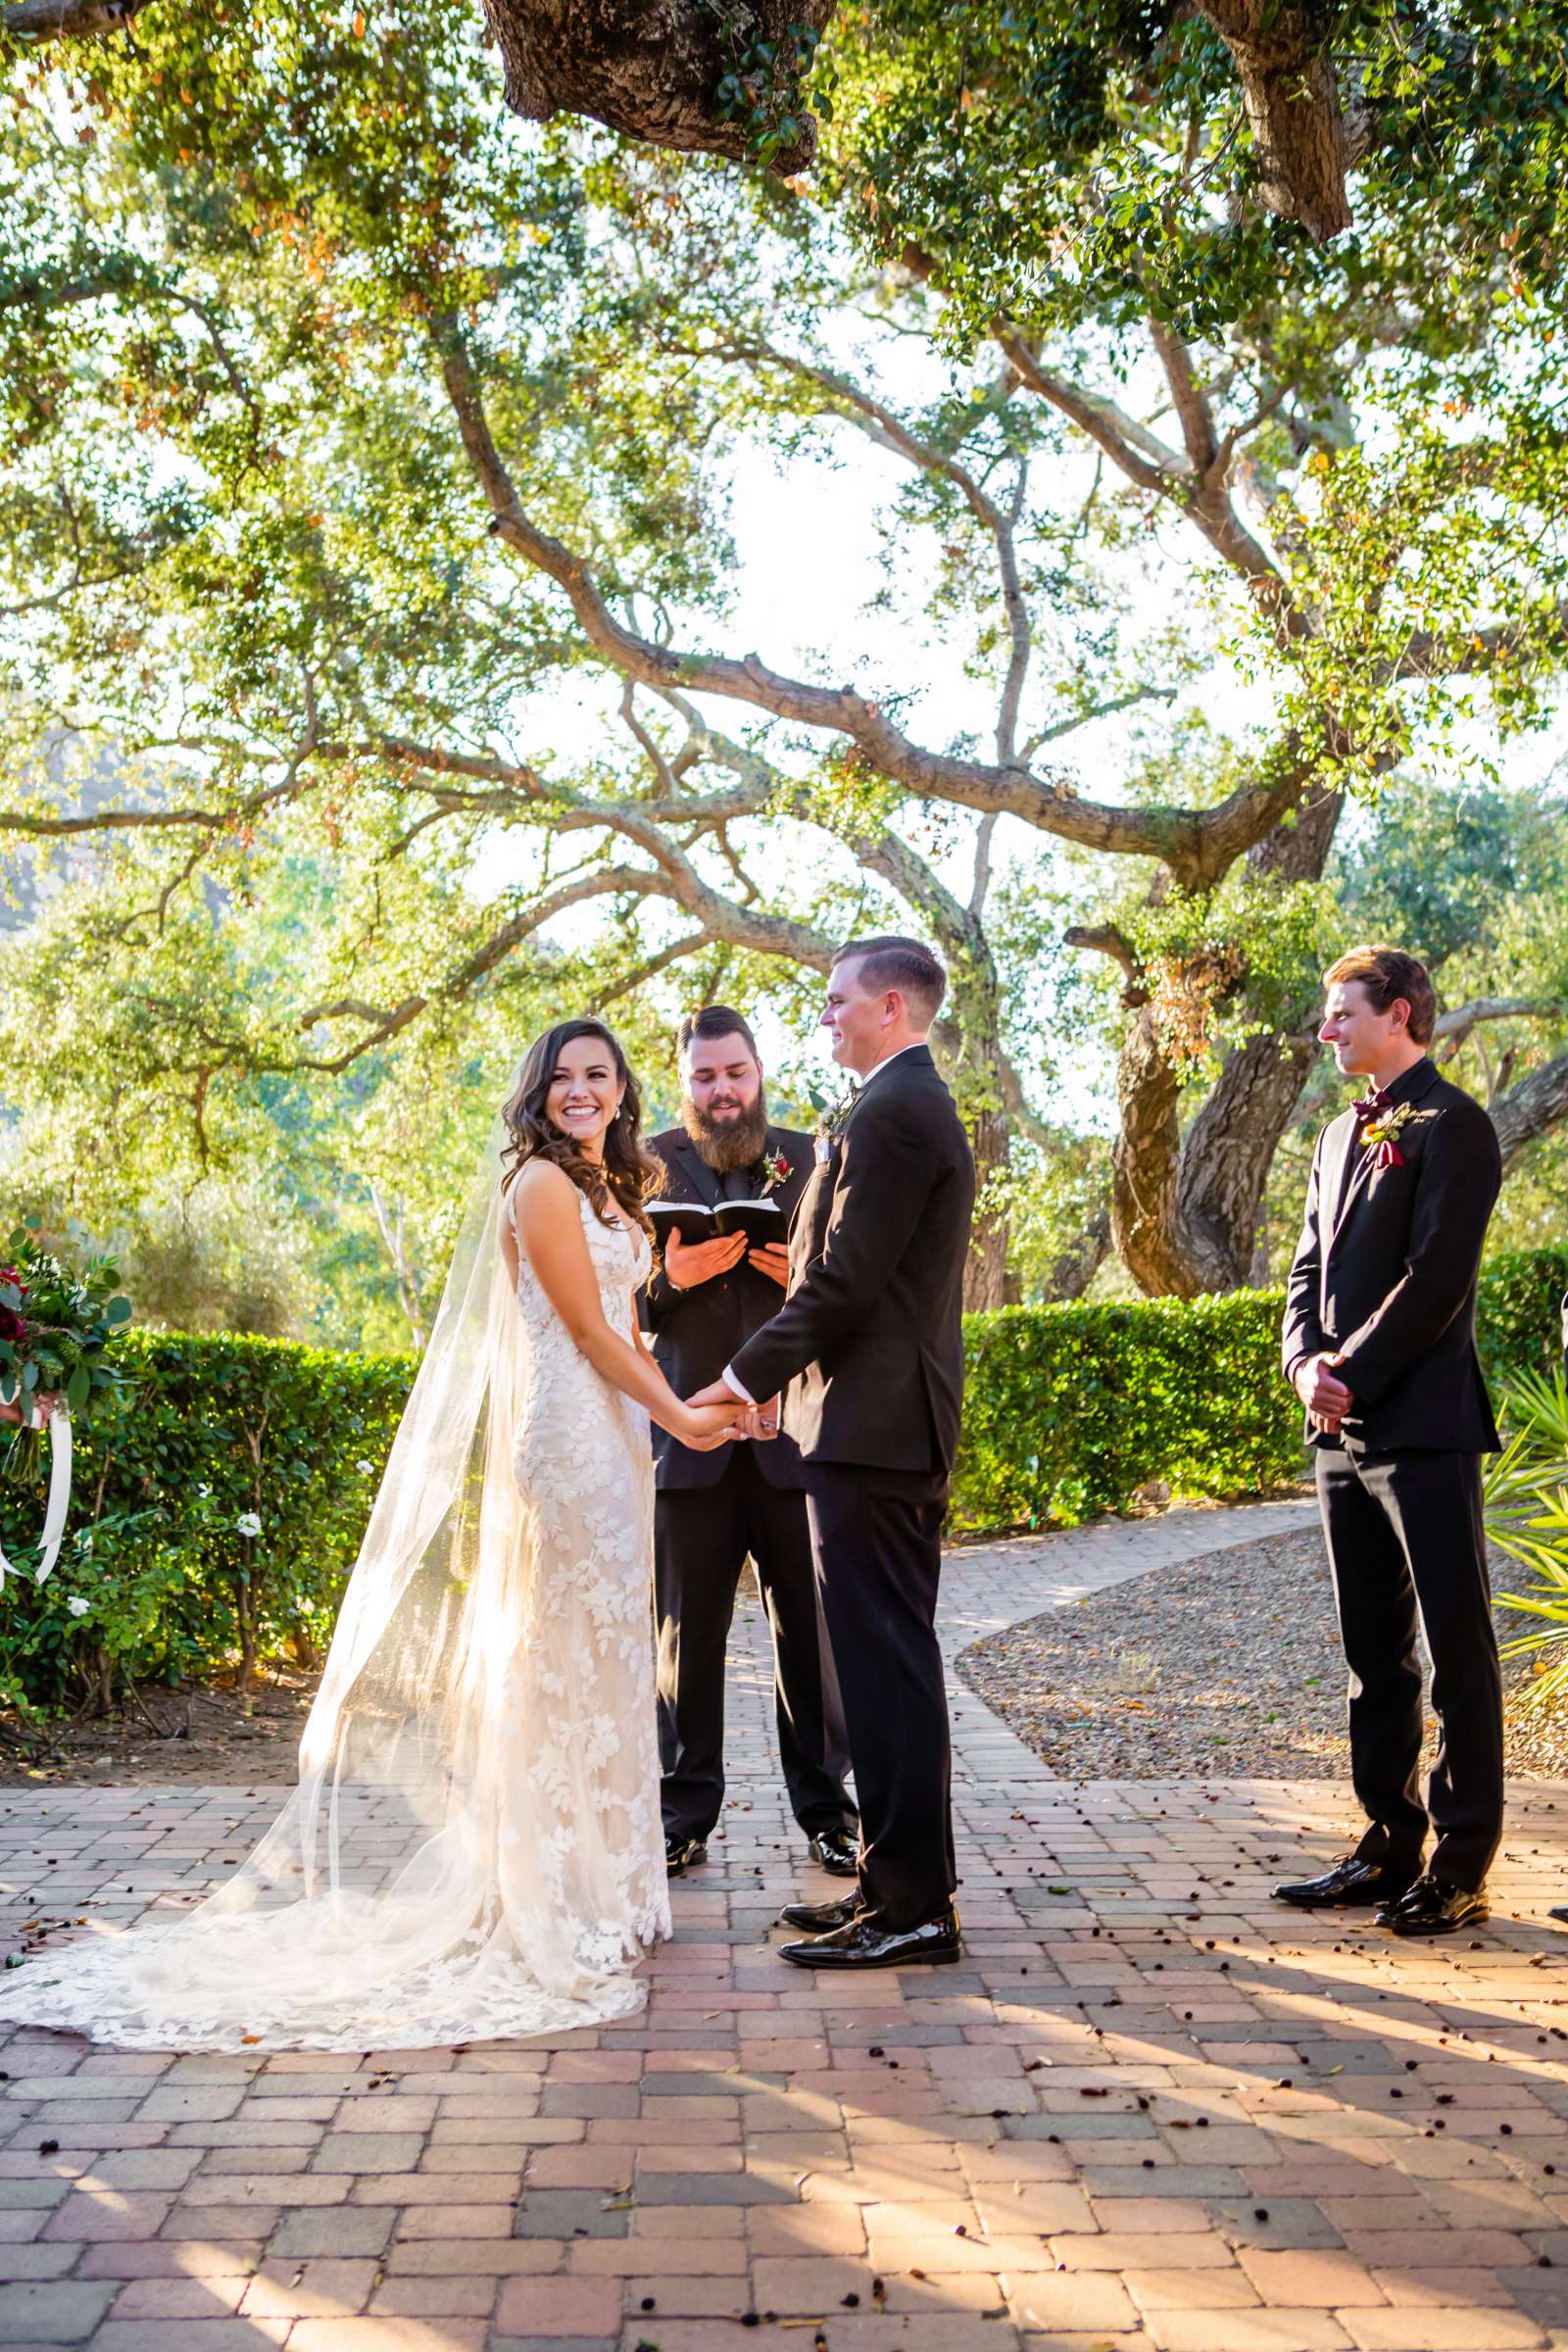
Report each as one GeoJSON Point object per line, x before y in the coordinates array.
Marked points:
{"type": "Point", "coordinates": [696, 1332]}
{"type": "Point", "coordinates": [1384, 1272]}
{"type": "Point", "coordinates": [869, 1344]}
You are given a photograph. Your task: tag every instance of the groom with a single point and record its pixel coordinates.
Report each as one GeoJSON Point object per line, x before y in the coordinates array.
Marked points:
{"type": "Point", "coordinates": [869, 1347]}
{"type": "Point", "coordinates": [1379, 1343]}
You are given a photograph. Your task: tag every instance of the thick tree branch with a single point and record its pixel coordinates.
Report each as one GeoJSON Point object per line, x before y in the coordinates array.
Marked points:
{"type": "Point", "coordinates": [1531, 1108]}
{"type": "Point", "coordinates": [66, 20]}
{"type": "Point", "coordinates": [1197, 845]}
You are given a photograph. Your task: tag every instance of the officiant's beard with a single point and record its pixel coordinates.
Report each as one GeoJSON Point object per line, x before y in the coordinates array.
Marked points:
{"type": "Point", "coordinates": [726, 1144]}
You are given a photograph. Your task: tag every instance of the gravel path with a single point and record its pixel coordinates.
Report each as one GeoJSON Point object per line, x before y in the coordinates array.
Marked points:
{"type": "Point", "coordinates": [1226, 1664]}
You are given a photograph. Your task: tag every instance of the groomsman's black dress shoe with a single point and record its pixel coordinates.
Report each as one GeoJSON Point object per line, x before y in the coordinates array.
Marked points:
{"type": "Point", "coordinates": [1430, 1908]}
{"type": "Point", "coordinates": [821, 1919]}
{"type": "Point", "coordinates": [1559, 1911]}
{"type": "Point", "coordinates": [835, 1849]}
{"type": "Point", "coordinates": [862, 1943]}
{"type": "Point", "coordinates": [682, 1854]}
{"type": "Point", "coordinates": [1348, 1885]}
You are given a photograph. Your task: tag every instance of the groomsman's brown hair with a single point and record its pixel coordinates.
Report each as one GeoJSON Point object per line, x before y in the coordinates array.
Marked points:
{"type": "Point", "coordinates": [894, 962]}
{"type": "Point", "coordinates": [1387, 973]}
{"type": "Point", "coordinates": [715, 1021]}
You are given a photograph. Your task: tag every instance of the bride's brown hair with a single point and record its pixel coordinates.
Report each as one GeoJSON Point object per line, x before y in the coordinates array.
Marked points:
{"type": "Point", "coordinates": [631, 1171]}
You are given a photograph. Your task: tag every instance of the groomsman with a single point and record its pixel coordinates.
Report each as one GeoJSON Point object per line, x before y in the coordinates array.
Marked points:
{"type": "Point", "coordinates": [1379, 1343]}
{"type": "Point", "coordinates": [703, 1302]}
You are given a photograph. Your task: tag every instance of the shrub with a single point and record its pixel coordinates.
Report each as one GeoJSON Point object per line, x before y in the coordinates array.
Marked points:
{"type": "Point", "coordinates": [214, 1519]}
{"type": "Point", "coordinates": [1070, 1410]}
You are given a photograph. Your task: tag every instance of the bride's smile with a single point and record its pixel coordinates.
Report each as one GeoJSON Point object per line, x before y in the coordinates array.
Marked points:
{"type": "Point", "coordinates": [585, 1093]}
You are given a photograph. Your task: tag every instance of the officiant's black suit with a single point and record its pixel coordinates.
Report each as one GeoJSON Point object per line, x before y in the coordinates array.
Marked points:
{"type": "Point", "coordinates": [711, 1509]}
{"type": "Point", "coordinates": [1385, 1277]}
{"type": "Point", "coordinates": [870, 1348]}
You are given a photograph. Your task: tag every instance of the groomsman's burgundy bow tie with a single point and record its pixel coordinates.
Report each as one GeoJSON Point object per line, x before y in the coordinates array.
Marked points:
{"type": "Point", "coordinates": [1374, 1105]}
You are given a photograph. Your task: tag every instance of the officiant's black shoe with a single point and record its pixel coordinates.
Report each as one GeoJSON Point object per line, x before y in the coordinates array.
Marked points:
{"type": "Point", "coordinates": [1432, 1908]}
{"type": "Point", "coordinates": [1559, 1911]}
{"type": "Point", "coordinates": [682, 1854]}
{"type": "Point", "coordinates": [862, 1943]}
{"type": "Point", "coordinates": [821, 1919]}
{"type": "Point", "coordinates": [835, 1849]}
{"type": "Point", "coordinates": [1348, 1886]}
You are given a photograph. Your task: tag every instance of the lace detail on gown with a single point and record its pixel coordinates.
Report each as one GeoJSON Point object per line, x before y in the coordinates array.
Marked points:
{"type": "Point", "coordinates": [504, 1875]}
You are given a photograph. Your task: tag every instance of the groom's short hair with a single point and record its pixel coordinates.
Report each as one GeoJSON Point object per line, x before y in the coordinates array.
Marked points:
{"type": "Point", "coordinates": [715, 1020]}
{"type": "Point", "coordinates": [907, 964]}
{"type": "Point", "coordinates": [1387, 975]}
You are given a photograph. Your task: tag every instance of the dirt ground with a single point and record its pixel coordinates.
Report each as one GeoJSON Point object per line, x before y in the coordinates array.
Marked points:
{"type": "Point", "coordinates": [215, 1736]}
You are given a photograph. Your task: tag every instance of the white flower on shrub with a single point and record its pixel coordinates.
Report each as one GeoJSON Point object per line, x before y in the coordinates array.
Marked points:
{"type": "Point", "coordinates": [204, 1492]}
{"type": "Point", "coordinates": [248, 1523]}
{"type": "Point", "coordinates": [365, 1469]}
{"type": "Point", "coordinates": [83, 1539]}
{"type": "Point", "coordinates": [78, 1606]}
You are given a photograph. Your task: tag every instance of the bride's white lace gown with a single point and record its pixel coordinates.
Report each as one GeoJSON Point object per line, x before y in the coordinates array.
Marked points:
{"type": "Point", "coordinates": [475, 1850]}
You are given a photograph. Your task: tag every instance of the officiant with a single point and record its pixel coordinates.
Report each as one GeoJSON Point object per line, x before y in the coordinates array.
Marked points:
{"type": "Point", "coordinates": [703, 1301]}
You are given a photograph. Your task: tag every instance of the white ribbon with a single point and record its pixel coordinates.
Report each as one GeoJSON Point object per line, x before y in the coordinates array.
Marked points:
{"type": "Point", "coordinates": [59, 1502]}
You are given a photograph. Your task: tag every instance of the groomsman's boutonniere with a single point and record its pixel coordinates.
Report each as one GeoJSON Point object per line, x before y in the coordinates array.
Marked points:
{"type": "Point", "coordinates": [1379, 1134]}
{"type": "Point", "coordinates": [775, 1171]}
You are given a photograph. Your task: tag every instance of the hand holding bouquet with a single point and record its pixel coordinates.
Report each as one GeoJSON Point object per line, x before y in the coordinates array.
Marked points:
{"type": "Point", "coordinates": [57, 1327]}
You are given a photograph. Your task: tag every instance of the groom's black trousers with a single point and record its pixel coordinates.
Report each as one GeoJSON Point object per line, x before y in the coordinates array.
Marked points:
{"type": "Point", "coordinates": [876, 1542]}
{"type": "Point", "coordinates": [1405, 1536]}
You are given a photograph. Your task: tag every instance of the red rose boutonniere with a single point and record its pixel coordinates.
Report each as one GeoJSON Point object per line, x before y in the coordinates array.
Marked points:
{"type": "Point", "coordinates": [1379, 1135]}
{"type": "Point", "coordinates": [775, 1171]}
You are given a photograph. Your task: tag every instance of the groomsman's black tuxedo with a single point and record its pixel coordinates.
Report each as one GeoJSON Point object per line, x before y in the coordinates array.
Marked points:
{"type": "Point", "coordinates": [870, 1348]}
{"type": "Point", "coordinates": [1385, 1278]}
{"type": "Point", "coordinates": [711, 1509]}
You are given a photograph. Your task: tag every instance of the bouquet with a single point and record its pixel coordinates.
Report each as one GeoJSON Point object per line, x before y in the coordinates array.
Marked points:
{"type": "Point", "coordinates": [57, 1327]}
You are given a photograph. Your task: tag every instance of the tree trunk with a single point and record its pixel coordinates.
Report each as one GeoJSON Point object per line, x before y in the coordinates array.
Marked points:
{"type": "Point", "coordinates": [1185, 1208]}
{"type": "Point", "coordinates": [1527, 1111]}
{"type": "Point", "coordinates": [985, 1276]}
{"type": "Point", "coordinates": [651, 68]}
{"type": "Point", "coordinates": [1075, 1269]}
{"type": "Point", "coordinates": [1306, 148]}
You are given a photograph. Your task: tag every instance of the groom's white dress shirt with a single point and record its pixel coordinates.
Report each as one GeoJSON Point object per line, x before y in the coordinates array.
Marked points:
{"type": "Point", "coordinates": [727, 1376]}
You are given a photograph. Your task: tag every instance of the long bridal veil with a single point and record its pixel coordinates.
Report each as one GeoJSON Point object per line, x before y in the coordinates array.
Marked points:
{"type": "Point", "coordinates": [379, 1910]}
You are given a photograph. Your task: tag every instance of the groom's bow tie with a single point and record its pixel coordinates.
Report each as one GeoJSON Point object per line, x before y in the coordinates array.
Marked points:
{"type": "Point", "coordinates": [1373, 1105]}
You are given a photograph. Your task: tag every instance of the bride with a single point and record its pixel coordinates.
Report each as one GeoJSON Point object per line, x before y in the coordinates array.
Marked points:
{"type": "Point", "coordinates": [474, 1847]}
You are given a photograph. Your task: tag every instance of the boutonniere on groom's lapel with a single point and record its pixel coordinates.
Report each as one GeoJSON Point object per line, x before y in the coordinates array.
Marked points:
{"type": "Point", "coordinates": [1381, 1122]}
{"type": "Point", "coordinates": [775, 1171]}
{"type": "Point", "coordinates": [830, 1118]}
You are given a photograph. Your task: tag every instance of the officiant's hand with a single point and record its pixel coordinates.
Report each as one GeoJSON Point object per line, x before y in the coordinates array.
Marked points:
{"type": "Point", "coordinates": [1325, 1396]}
{"type": "Point", "coordinates": [774, 1260]}
{"type": "Point", "coordinates": [688, 1263]}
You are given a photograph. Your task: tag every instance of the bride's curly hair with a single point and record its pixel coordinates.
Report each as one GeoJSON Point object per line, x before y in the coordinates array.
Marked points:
{"type": "Point", "coordinates": [630, 1170]}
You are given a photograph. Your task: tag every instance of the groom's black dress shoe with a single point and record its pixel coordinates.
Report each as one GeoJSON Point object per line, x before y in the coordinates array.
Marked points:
{"type": "Point", "coordinates": [682, 1854]}
{"type": "Point", "coordinates": [1348, 1885]}
{"type": "Point", "coordinates": [821, 1919]}
{"type": "Point", "coordinates": [836, 1850]}
{"type": "Point", "coordinates": [862, 1943]}
{"type": "Point", "coordinates": [1431, 1908]}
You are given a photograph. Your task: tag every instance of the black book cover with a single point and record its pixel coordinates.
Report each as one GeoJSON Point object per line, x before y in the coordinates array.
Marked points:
{"type": "Point", "coordinates": [762, 1222]}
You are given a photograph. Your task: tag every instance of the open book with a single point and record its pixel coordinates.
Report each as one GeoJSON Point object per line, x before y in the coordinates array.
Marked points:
{"type": "Point", "coordinates": [762, 1222]}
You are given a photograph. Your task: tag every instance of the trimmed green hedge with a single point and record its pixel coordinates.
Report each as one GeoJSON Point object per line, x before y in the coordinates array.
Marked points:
{"type": "Point", "coordinates": [1068, 1412]}
{"type": "Point", "coordinates": [219, 1432]}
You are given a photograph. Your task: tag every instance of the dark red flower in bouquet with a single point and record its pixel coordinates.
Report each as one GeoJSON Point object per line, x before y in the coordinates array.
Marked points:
{"type": "Point", "coordinates": [12, 1325]}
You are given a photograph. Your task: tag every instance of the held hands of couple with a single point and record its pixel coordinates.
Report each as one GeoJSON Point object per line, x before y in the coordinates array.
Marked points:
{"type": "Point", "coordinates": [758, 1421]}
{"type": "Point", "coordinates": [1327, 1398]}
{"type": "Point", "coordinates": [689, 1263]}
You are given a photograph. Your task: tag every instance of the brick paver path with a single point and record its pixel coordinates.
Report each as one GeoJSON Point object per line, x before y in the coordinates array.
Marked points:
{"type": "Point", "coordinates": [1152, 2110]}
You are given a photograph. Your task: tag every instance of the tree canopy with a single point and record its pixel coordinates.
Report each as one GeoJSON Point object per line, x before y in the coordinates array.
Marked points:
{"type": "Point", "coordinates": [372, 548]}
